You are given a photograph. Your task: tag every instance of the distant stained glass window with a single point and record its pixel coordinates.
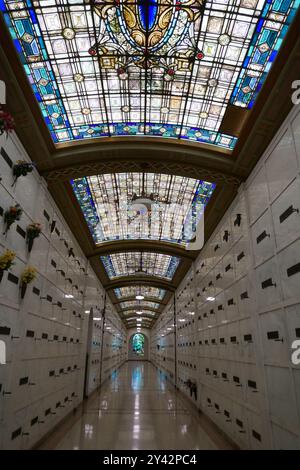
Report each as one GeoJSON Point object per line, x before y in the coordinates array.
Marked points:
{"type": "Point", "coordinates": [138, 343]}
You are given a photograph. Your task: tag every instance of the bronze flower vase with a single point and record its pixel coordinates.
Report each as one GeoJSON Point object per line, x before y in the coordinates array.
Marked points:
{"type": "Point", "coordinates": [23, 289]}
{"type": "Point", "coordinates": [30, 244]}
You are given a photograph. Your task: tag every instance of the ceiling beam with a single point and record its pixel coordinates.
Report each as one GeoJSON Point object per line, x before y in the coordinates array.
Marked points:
{"type": "Point", "coordinates": [143, 155]}
{"type": "Point", "coordinates": [147, 280]}
{"type": "Point", "coordinates": [120, 246]}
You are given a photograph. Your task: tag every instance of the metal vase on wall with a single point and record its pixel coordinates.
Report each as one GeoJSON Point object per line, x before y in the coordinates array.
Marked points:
{"type": "Point", "coordinates": [23, 289]}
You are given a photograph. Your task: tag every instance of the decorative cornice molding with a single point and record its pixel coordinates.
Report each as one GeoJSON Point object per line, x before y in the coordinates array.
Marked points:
{"type": "Point", "coordinates": [119, 246]}
{"type": "Point", "coordinates": [146, 280]}
{"type": "Point", "coordinates": [168, 167]}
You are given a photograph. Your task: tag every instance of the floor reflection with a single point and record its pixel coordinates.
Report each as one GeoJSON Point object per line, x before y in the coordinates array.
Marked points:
{"type": "Point", "coordinates": [137, 409]}
{"type": "Point", "coordinates": [137, 378]}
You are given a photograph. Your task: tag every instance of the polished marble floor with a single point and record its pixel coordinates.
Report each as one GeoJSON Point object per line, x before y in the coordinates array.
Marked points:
{"type": "Point", "coordinates": [137, 409]}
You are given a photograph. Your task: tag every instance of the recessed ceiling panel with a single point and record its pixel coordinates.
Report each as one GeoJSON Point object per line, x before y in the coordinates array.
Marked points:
{"type": "Point", "coordinates": [140, 264]}
{"type": "Point", "coordinates": [124, 206]}
{"type": "Point", "coordinates": [107, 68]}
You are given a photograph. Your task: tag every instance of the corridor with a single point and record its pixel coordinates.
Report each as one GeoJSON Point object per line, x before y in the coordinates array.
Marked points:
{"type": "Point", "coordinates": [137, 409]}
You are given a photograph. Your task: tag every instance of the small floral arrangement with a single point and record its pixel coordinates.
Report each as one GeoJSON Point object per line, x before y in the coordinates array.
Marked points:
{"type": "Point", "coordinates": [28, 275]}
{"type": "Point", "coordinates": [22, 168]}
{"type": "Point", "coordinates": [7, 123]}
{"type": "Point", "coordinates": [11, 215]}
{"type": "Point", "coordinates": [6, 260]}
{"type": "Point", "coordinates": [33, 230]}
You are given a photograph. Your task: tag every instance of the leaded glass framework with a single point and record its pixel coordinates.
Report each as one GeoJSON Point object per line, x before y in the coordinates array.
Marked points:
{"type": "Point", "coordinates": [139, 306]}
{"type": "Point", "coordinates": [122, 206]}
{"type": "Point", "coordinates": [140, 263]}
{"type": "Point", "coordinates": [103, 68]}
{"type": "Point", "coordinates": [128, 314]}
{"type": "Point", "coordinates": [145, 291]}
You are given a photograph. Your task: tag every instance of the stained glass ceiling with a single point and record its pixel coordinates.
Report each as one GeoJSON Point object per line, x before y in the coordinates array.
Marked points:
{"type": "Point", "coordinates": [110, 204]}
{"type": "Point", "coordinates": [145, 291]}
{"type": "Point", "coordinates": [128, 313]}
{"type": "Point", "coordinates": [139, 306]}
{"type": "Point", "coordinates": [133, 309]}
{"type": "Point", "coordinates": [123, 67]}
{"type": "Point", "coordinates": [141, 319]}
{"type": "Point", "coordinates": [144, 320]}
{"type": "Point", "coordinates": [140, 263]}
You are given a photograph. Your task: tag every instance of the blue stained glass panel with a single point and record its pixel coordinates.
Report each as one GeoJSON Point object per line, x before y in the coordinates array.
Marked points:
{"type": "Point", "coordinates": [148, 11]}
{"type": "Point", "coordinates": [113, 69]}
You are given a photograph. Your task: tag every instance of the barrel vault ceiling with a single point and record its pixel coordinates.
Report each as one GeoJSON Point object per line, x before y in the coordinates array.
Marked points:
{"type": "Point", "coordinates": [145, 102]}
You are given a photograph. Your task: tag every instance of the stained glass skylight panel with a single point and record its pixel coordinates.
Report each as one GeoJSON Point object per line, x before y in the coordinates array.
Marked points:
{"type": "Point", "coordinates": [140, 263]}
{"type": "Point", "coordinates": [145, 291]}
{"type": "Point", "coordinates": [139, 306]}
{"type": "Point", "coordinates": [128, 313]}
{"type": "Point", "coordinates": [144, 319]}
{"type": "Point", "coordinates": [110, 204]}
{"type": "Point", "coordinates": [169, 69]}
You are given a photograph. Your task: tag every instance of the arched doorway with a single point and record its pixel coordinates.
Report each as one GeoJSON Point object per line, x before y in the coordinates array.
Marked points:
{"type": "Point", "coordinates": [138, 347]}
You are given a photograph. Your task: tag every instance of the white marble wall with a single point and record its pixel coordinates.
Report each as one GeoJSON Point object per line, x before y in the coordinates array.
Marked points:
{"type": "Point", "coordinates": [107, 345]}
{"type": "Point", "coordinates": [114, 343]}
{"type": "Point", "coordinates": [162, 342]}
{"type": "Point", "coordinates": [237, 345]}
{"type": "Point", "coordinates": [46, 332]}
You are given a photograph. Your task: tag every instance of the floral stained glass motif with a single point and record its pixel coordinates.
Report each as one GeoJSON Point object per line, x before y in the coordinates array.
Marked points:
{"type": "Point", "coordinates": [110, 204]}
{"type": "Point", "coordinates": [140, 263]}
{"type": "Point", "coordinates": [169, 68]}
